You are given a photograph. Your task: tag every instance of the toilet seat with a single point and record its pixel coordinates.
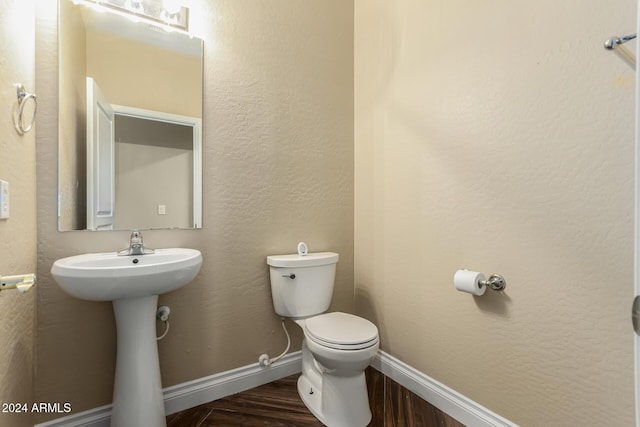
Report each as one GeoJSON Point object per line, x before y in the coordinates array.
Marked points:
{"type": "Point", "coordinates": [341, 331]}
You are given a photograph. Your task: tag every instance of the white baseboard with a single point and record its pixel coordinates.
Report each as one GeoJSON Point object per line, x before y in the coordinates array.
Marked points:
{"type": "Point", "coordinates": [193, 393]}
{"type": "Point", "coordinates": [439, 395]}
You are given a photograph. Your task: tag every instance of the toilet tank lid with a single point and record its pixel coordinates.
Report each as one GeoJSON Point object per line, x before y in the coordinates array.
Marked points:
{"type": "Point", "coordinates": [308, 260]}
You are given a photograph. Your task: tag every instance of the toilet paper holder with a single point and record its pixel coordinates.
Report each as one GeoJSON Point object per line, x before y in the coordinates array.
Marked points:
{"type": "Point", "coordinates": [495, 282]}
{"type": "Point", "coordinates": [21, 282]}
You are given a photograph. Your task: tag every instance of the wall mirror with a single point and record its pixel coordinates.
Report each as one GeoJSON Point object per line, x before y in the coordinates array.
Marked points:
{"type": "Point", "coordinates": [130, 113]}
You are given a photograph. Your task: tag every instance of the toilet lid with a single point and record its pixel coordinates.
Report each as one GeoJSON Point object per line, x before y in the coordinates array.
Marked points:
{"type": "Point", "coordinates": [341, 331]}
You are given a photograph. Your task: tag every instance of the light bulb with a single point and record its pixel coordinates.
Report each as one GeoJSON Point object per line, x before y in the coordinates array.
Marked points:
{"type": "Point", "coordinates": [172, 6]}
{"type": "Point", "coordinates": [135, 6]}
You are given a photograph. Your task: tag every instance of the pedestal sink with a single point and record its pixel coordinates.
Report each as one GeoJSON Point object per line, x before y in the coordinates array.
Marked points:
{"type": "Point", "coordinates": [133, 283]}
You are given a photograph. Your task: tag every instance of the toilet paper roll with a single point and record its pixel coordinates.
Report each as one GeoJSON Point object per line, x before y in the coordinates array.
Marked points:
{"type": "Point", "coordinates": [469, 281]}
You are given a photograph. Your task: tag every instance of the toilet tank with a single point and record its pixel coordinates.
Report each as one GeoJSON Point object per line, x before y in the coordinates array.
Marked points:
{"type": "Point", "coordinates": [302, 285]}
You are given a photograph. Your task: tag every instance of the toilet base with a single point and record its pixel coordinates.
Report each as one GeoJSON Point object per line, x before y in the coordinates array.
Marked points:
{"type": "Point", "coordinates": [335, 400]}
{"type": "Point", "coordinates": [311, 397]}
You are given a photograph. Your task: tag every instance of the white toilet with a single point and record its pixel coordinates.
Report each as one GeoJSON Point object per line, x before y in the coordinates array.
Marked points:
{"type": "Point", "coordinates": [337, 347]}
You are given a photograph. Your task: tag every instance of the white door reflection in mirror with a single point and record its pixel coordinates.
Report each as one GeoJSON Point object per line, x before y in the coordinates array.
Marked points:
{"type": "Point", "coordinates": [100, 160]}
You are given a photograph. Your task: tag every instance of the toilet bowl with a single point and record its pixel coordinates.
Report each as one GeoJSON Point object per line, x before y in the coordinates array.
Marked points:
{"type": "Point", "coordinates": [341, 341]}
{"type": "Point", "coordinates": [337, 347]}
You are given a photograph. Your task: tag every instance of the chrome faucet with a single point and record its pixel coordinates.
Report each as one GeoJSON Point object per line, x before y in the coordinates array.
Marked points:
{"type": "Point", "coordinates": [136, 247]}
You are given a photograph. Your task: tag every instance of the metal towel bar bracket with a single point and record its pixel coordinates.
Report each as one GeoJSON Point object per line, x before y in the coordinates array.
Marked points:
{"type": "Point", "coordinates": [495, 282]}
{"type": "Point", "coordinates": [614, 41]}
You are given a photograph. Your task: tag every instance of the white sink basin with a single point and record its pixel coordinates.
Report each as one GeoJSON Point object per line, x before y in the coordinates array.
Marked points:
{"type": "Point", "coordinates": [132, 283]}
{"type": "Point", "coordinates": [108, 277]}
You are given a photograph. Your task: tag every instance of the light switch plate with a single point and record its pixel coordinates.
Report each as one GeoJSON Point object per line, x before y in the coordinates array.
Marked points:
{"type": "Point", "coordinates": [4, 200]}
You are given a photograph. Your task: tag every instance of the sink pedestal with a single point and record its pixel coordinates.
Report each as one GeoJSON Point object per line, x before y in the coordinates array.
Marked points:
{"type": "Point", "coordinates": [137, 394]}
{"type": "Point", "coordinates": [133, 283]}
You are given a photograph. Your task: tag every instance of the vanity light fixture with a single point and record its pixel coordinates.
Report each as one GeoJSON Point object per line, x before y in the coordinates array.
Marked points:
{"type": "Point", "coordinates": [169, 15]}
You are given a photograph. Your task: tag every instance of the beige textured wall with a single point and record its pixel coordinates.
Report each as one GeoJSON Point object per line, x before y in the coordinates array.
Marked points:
{"type": "Point", "coordinates": [499, 136]}
{"type": "Point", "coordinates": [17, 235]}
{"type": "Point", "coordinates": [135, 74]}
{"type": "Point", "coordinates": [278, 168]}
{"type": "Point", "coordinates": [162, 153]}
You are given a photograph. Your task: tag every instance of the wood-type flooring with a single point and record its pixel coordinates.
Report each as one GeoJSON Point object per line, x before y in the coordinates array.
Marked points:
{"type": "Point", "coordinates": [277, 404]}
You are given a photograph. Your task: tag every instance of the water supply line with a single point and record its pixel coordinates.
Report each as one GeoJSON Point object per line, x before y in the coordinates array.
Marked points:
{"type": "Point", "coordinates": [162, 314]}
{"type": "Point", "coordinates": [265, 360]}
